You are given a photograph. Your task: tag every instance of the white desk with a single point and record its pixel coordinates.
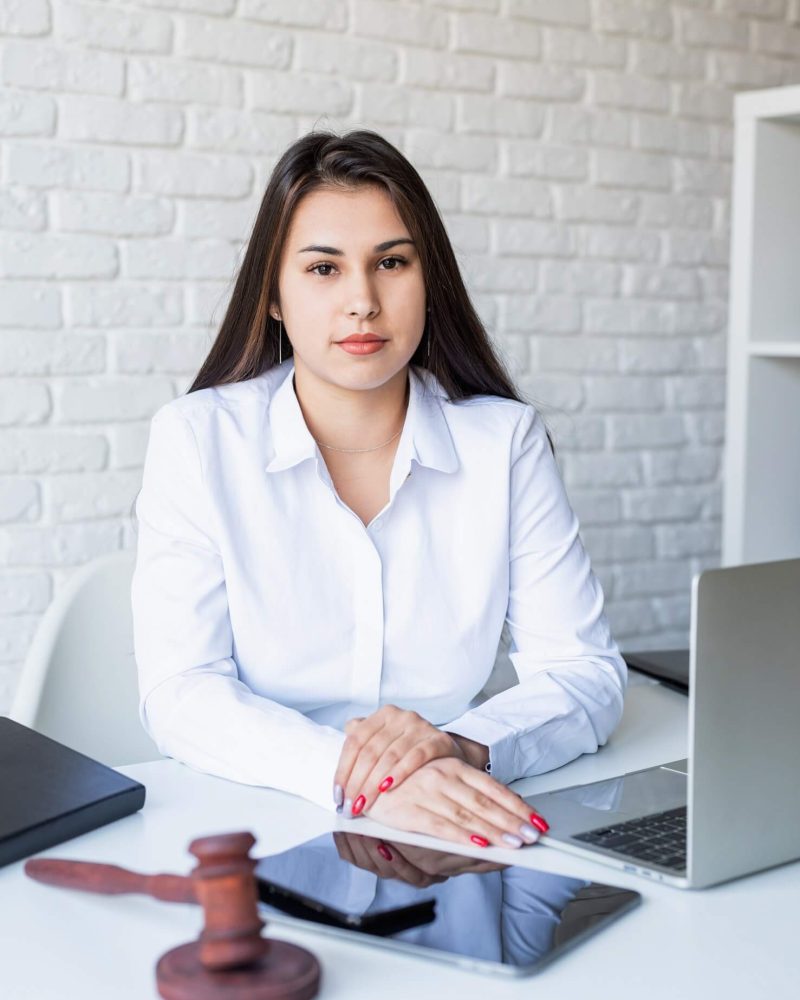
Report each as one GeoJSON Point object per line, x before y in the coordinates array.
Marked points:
{"type": "Point", "coordinates": [736, 941]}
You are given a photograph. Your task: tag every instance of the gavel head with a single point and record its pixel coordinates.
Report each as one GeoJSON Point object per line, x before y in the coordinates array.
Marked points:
{"type": "Point", "coordinates": [226, 889]}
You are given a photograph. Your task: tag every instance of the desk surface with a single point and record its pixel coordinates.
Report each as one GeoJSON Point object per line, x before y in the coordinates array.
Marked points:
{"type": "Point", "coordinates": [737, 940]}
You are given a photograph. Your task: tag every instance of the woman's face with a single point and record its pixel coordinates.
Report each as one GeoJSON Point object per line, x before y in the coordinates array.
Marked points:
{"type": "Point", "coordinates": [357, 283]}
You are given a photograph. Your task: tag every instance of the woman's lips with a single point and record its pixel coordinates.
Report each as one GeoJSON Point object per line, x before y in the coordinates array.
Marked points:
{"type": "Point", "coordinates": [354, 347]}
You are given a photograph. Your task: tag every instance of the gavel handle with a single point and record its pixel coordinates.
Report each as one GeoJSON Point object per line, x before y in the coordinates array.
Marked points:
{"type": "Point", "coordinates": [110, 879]}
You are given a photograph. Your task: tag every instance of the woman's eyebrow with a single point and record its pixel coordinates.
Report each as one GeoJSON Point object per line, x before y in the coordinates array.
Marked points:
{"type": "Point", "coordinates": [315, 248]}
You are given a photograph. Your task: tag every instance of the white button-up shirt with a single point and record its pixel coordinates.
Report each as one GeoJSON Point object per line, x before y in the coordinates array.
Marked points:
{"type": "Point", "coordinates": [266, 614]}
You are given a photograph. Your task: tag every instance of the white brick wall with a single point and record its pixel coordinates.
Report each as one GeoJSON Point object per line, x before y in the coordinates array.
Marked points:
{"type": "Point", "coordinates": [579, 150]}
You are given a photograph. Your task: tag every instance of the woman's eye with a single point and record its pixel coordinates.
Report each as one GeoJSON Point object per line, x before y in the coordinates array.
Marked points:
{"type": "Point", "coordinates": [326, 274]}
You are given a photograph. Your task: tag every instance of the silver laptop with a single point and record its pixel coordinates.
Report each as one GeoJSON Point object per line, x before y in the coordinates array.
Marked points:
{"type": "Point", "coordinates": [734, 807]}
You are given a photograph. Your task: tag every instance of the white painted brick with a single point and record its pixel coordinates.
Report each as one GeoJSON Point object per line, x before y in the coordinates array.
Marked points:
{"type": "Point", "coordinates": [58, 545]}
{"type": "Point", "coordinates": [40, 352]}
{"type": "Point", "coordinates": [657, 577]}
{"type": "Point", "coordinates": [630, 618]}
{"type": "Point", "coordinates": [661, 282]}
{"type": "Point", "coordinates": [529, 158]}
{"type": "Point", "coordinates": [91, 496]}
{"type": "Point", "coordinates": [627, 316]}
{"type": "Point", "coordinates": [184, 82]}
{"type": "Point", "coordinates": [16, 635]}
{"type": "Point", "coordinates": [24, 403]}
{"type": "Point", "coordinates": [707, 428]}
{"type": "Point", "coordinates": [583, 49]}
{"type": "Point", "coordinates": [207, 302]}
{"type": "Point", "coordinates": [756, 8]}
{"type": "Point", "coordinates": [628, 393]}
{"type": "Point", "coordinates": [596, 507]}
{"type": "Point", "coordinates": [238, 42]}
{"type": "Point", "coordinates": [547, 83]}
{"type": "Point", "coordinates": [32, 255]}
{"type": "Point", "coordinates": [541, 313]}
{"type": "Point", "coordinates": [671, 135]}
{"type": "Point", "coordinates": [740, 69]}
{"type": "Point", "coordinates": [700, 317]}
{"type": "Point", "coordinates": [566, 354]}
{"type": "Point", "coordinates": [713, 502]}
{"type": "Point", "coordinates": [777, 39]}
{"type": "Point", "coordinates": [239, 131]}
{"type": "Point", "coordinates": [111, 28]}
{"type": "Point", "coordinates": [26, 114]}
{"type": "Point", "coordinates": [638, 93]}
{"type": "Point", "coordinates": [501, 274]}
{"type": "Point", "coordinates": [506, 196]}
{"type": "Point", "coordinates": [718, 31]}
{"type": "Point", "coordinates": [497, 116]}
{"type": "Point", "coordinates": [129, 445]}
{"type": "Point", "coordinates": [706, 101]}
{"type": "Point", "coordinates": [581, 432]}
{"type": "Point", "coordinates": [93, 400]}
{"type": "Point", "coordinates": [703, 177]}
{"type": "Point", "coordinates": [30, 306]}
{"type": "Point", "coordinates": [618, 544]}
{"type": "Point", "coordinates": [587, 204]}
{"type": "Point", "coordinates": [111, 214]}
{"type": "Point", "coordinates": [364, 60]}
{"type": "Point", "coordinates": [44, 450]}
{"type": "Point", "coordinates": [395, 105]}
{"type": "Point", "coordinates": [685, 211]}
{"type": "Point", "coordinates": [19, 500]}
{"type": "Point", "coordinates": [531, 238]}
{"type": "Point", "coordinates": [487, 34]}
{"type": "Point", "coordinates": [101, 119]}
{"type": "Point", "coordinates": [300, 13]}
{"type": "Point", "coordinates": [224, 220]}
{"type": "Point", "coordinates": [673, 612]}
{"type": "Point", "coordinates": [25, 593]}
{"type": "Point", "coordinates": [22, 209]}
{"type": "Point", "coordinates": [697, 249]}
{"type": "Point", "coordinates": [24, 17]}
{"type": "Point", "coordinates": [676, 540]}
{"type": "Point", "coordinates": [419, 68]}
{"type": "Point", "coordinates": [696, 466]}
{"type": "Point", "coordinates": [467, 233]}
{"type": "Point", "coordinates": [581, 277]}
{"type": "Point", "coordinates": [573, 12]}
{"type": "Point", "coordinates": [167, 259]}
{"type": "Point", "coordinates": [700, 392]}
{"type": "Point", "coordinates": [646, 355]}
{"type": "Point", "coordinates": [667, 61]}
{"type": "Point", "coordinates": [647, 431]}
{"type": "Point", "coordinates": [639, 18]}
{"type": "Point", "coordinates": [193, 175]}
{"type": "Point", "coordinates": [710, 353]}
{"type": "Point", "coordinates": [444, 187]}
{"type": "Point", "coordinates": [715, 283]}
{"type": "Point", "coordinates": [424, 147]}
{"type": "Point", "coordinates": [616, 168]}
{"type": "Point", "coordinates": [391, 21]}
{"type": "Point", "coordinates": [125, 305]}
{"type": "Point", "coordinates": [67, 167]}
{"type": "Point", "coordinates": [42, 67]}
{"type": "Point", "coordinates": [159, 351]}
{"type": "Point", "coordinates": [300, 93]}
{"type": "Point", "coordinates": [619, 243]}
{"type": "Point", "coordinates": [600, 470]}
{"type": "Point", "coordinates": [564, 393]}
{"type": "Point", "coordinates": [514, 351]}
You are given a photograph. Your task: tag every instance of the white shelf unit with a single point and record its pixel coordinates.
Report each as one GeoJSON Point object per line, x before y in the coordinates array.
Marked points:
{"type": "Point", "coordinates": [761, 487]}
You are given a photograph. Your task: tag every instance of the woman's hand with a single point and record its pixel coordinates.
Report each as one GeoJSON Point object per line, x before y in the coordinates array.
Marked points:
{"type": "Point", "coordinates": [448, 798]}
{"type": "Point", "coordinates": [382, 750]}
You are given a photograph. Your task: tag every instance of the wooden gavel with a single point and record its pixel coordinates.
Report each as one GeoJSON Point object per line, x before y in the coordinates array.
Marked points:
{"type": "Point", "coordinates": [230, 959]}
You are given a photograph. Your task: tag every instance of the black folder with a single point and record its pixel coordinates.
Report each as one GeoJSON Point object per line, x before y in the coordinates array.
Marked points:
{"type": "Point", "coordinates": [50, 793]}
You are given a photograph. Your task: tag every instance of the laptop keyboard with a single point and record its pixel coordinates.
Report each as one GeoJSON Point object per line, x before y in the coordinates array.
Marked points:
{"type": "Point", "coordinates": [659, 839]}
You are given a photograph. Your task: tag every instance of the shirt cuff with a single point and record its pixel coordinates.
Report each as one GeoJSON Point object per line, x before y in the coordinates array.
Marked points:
{"type": "Point", "coordinates": [499, 740]}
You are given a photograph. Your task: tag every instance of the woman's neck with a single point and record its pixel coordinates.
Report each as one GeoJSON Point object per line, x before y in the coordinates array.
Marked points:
{"type": "Point", "coordinates": [352, 418]}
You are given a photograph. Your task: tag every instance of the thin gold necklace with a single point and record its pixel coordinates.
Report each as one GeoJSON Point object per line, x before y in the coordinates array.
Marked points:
{"type": "Point", "coordinates": [351, 450]}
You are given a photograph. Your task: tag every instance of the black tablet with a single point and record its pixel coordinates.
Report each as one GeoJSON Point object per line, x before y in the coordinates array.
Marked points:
{"type": "Point", "coordinates": [481, 915]}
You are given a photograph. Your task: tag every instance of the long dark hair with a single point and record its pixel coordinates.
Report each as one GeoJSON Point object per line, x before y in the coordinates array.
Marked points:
{"type": "Point", "coordinates": [461, 355]}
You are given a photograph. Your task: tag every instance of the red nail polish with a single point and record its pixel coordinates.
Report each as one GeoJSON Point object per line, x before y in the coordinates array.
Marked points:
{"type": "Point", "coordinates": [386, 784]}
{"type": "Point", "coordinates": [540, 823]}
{"type": "Point", "coordinates": [480, 841]}
{"type": "Point", "coordinates": [358, 805]}
{"type": "Point", "coordinates": [384, 852]}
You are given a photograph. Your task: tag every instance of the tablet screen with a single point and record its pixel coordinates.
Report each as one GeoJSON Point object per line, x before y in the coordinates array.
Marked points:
{"type": "Point", "coordinates": [476, 913]}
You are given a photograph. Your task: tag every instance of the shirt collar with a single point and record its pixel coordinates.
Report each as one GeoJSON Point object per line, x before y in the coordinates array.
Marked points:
{"type": "Point", "coordinates": [425, 437]}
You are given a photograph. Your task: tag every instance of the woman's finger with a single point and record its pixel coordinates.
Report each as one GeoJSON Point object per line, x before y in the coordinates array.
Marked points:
{"type": "Point", "coordinates": [508, 801]}
{"type": "Point", "coordinates": [358, 733]}
{"type": "Point", "coordinates": [403, 758]}
{"type": "Point", "coordinates": [356, 790]}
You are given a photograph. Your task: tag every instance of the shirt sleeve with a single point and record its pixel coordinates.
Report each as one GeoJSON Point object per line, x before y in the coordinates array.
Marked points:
{"type": "Point", "coordinates": [192, 702]}
{"type": "Point", "coordinates": [572, 676]}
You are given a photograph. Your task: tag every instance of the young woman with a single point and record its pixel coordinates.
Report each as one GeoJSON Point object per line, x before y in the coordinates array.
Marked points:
{"type": "Point", "coordinates": [341, 514]}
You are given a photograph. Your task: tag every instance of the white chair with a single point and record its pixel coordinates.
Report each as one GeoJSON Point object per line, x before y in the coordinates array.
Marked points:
{"type": "Point", "coordinates": [79, 683]}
